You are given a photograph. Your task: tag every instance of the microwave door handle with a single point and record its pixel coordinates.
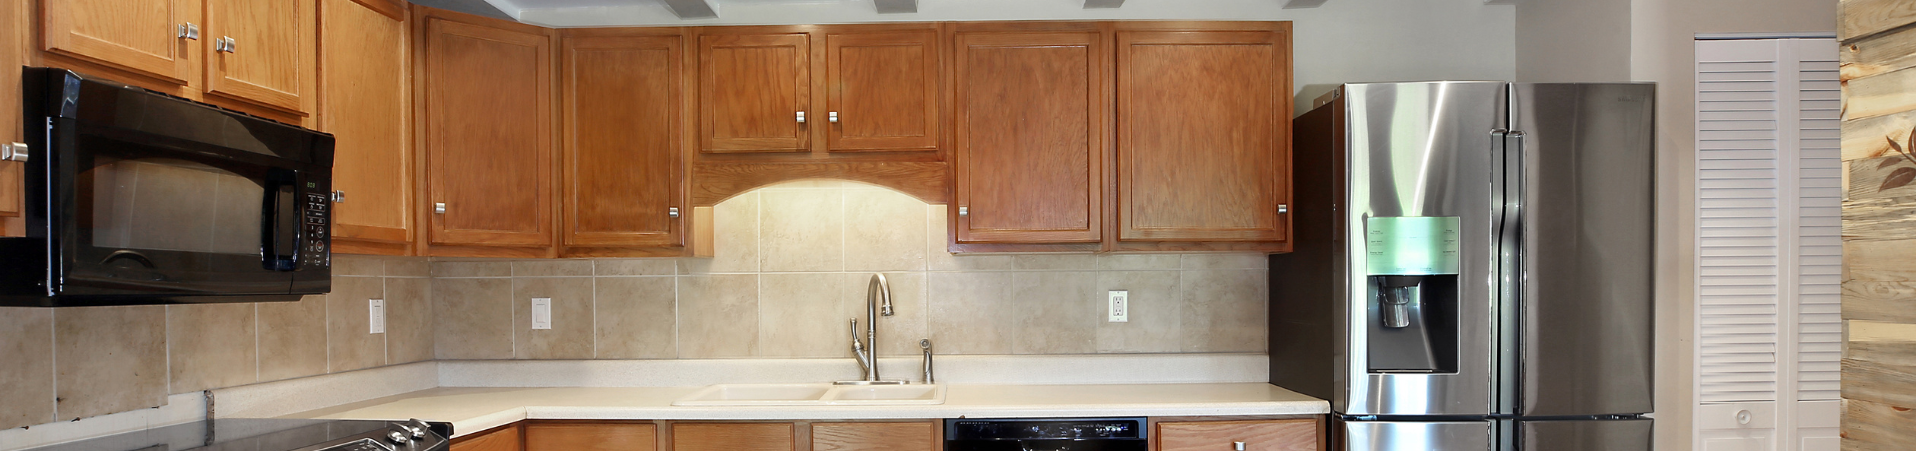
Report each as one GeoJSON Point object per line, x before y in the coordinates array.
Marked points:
{"type": "Point", "coordinates": [280, 240]}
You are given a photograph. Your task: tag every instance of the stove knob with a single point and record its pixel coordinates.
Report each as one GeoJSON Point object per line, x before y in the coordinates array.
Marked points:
{"type": "Point", "coordinates": [397, 438]}
{"type": "Point", "coordinates": [417, 433]}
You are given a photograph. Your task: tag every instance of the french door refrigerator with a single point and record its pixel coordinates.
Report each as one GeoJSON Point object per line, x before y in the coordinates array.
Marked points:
{"type": "Point", "coordinates": [1472, 266]}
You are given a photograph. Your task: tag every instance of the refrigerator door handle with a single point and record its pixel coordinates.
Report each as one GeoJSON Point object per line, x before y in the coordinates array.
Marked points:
{"type": "Point", "coordinates": [1509, 222]}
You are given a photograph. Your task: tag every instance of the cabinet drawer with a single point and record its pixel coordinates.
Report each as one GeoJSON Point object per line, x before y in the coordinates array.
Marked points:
{"type": "Point", "coordinates": [872, 437]}
{"type": "Point", "coordinates": [732, 437]}
{"type": "Point", "coordinates": [1268, 435]}
{"type": "Point", "coordinates": [503, 439]}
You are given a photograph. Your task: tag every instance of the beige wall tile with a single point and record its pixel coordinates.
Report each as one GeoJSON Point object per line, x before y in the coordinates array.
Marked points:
{"type": "Point", "coordinates": [970, 312]}
{"type": "Point", "coordinates": [1056, 261]}
{"type": "Point", "coordinates": [292, 338]}
{"type": "Point", "coordinates": [1056, 312]}
{"type": "Point", "coordinates": [471, 269]}
{"type": "Point", "coordinates": [897, 334]}
{"type": "Point", "coordinates": [637, 317]}
{"type": "Point", "coordinates": [551, 268]}
{"type": "Point", "coordinates": [718, 316]}
{"type": "Point", "coordinates": [735, 238]}
{"type": "Point", "coordinates": [409, 321]}
{"type": "Point", "coordinates": [349, 343]}
{"type": "Point", "coordinates": [408, 267]}
{"type": "Point", "coordinates": [358, 265]}
{"type": "Point", "coordinates": [473, 318]}
{"type": "Point", "coordinates": [1138, 261]}
{"type": "Point", "coordinates": [1155, 312]}
{"type": "Point", "coordinates": [211, 346]}
{"type": "Point", "coordinates": [571, 334]}
{"type": "Point", "coordinates": [802, 230]}
{"type": "Point", "coordinates": [110, 359]}
{"type": "Point", "coordinates": [799, 316]}
{"type": "Point", "coordinates": [635, 267]}
{"type": "Point", "coordinates": [938, 256]}
{"type": "Point", "coordinates": [1227, 261]}
{"type": "Point", "coordinates": [1224, 310]}
{"type": "Point", "coordinates": [26, 345]}
{"type": "Point", "coordinates": [884, 230]}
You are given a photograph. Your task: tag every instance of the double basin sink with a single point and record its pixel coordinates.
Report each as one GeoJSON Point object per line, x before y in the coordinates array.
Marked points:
{"type": "Point", "coordinates": [814, 395]}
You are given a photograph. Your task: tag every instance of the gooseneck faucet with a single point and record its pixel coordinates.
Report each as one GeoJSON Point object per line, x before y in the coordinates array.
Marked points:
{"type": "Point", "coordinates": [877, 302]}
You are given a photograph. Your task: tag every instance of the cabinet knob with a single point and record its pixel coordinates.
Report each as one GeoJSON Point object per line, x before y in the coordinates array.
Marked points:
{"type": "Point", "coordinates": [439, 208]}
{"type": "Point", "coordinates": [672, 212]}
{"type": "Point", "coordinates": [189, 31]}
{"type": "Point", "coordinates": [1283, 208]}
{"type": "Point", "coordinates": [801, 117]}
{"type": "Point", "coordinates": [831, 117]}
{"type": "Point", "coordinates": [1239, 446]}
{"type": "Point", "coordinates": [964, 211]}
{"type": "Point", "coordinates": [225, 45]}
{"type": "Point", "coordinates": [339, 197]}
{"type": "Point", "coordinates": [13, 152]}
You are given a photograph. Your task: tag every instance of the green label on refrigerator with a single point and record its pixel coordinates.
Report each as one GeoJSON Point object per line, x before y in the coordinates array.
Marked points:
{"type": "Point", "coordinates": [1413, 245]}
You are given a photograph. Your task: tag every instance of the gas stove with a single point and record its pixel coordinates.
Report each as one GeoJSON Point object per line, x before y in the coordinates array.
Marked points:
{"type": "Point", "coordinates": [236, 434]}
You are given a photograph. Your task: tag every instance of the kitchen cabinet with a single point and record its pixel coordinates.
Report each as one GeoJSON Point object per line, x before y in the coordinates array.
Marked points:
{"type": "Point", "coordinates": [367, 108]}
{"type": "Point", "coordinates": [1203, 135]}
{"type": "Point", "coordinates": [13, 53]}
{"type": "Point", "coordinates": [1029, 114]}
{"type": "Point", "coordinates": [486, 127]}
{"type": "Point", "coordinates": [732, 437]}
{"type": "Point", "coordinates": [916, 436]}
{"type": "Point", "coordinates": [622, 102]}
{"type": "Point", "coordinates": [261, 52]}
{"type": "Point", "coordinates": [1261, 435]}
{"type": "Point", "coordinates": [754, 92]}
{"type": "Point", "coordinates": [142, 36]}
{"type": "Point", "coordinates": [591, 437]}
{"type": "Point", "coordinates": [882, 91]}
{"type": "Point", "coordinates": [502, 439]}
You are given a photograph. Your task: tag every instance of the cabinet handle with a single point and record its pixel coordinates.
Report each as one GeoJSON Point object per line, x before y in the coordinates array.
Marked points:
{"type": "Point", "coordinates": [1283, 209]}
{"type": "Point", "coordinates": [14, 152]}
{"type": "Point", "coordinates": [672, 212]}
{"type": "Point", "coordinates": [439, 208]}
{"type": "Point", "coordinates": [801, 117]}
{"type": "Point", "coordinates": [964, 211]}
{"type": "Point", "coordinates": [1239, 446]}
{"type": "Point", "coordinates": [226, 45]}
{"type": "Point", "coordinates": [831, 117]}
{"type": "Point", "coordinates": [339, 197]}
{"type": "Point", "coordinates": [189, 31]}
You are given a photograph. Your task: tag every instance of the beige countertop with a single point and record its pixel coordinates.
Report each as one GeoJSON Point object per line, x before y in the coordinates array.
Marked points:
{"type": "Point", "coordinates": [477, 409]}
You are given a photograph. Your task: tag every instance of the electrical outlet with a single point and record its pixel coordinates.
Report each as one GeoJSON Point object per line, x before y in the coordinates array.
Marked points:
{"type": "Point", "coordinates": [376, 309]}
{"type": "Point", "coordinates": [541, 313]}
{"type": "Point", "coordinates": [1120, 310]}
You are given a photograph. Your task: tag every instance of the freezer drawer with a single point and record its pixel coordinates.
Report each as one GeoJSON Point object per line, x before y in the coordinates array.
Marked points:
{"type": "Point", "coordinates": [1585, 435]}
{"type": "Point", "coordinates": [1417, 436]}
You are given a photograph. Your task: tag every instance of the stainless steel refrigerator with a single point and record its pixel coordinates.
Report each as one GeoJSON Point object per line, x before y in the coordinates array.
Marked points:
{"type": "Point", "coordinates": [1472, 266]}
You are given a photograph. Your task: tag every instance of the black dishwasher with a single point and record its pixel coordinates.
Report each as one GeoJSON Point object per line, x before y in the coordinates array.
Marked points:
{"type": "Point", "coordinates": [1046, 434]}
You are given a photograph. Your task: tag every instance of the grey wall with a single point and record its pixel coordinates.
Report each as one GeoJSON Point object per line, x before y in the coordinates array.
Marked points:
{"type": "Point", "coordinates": [1573, 40]}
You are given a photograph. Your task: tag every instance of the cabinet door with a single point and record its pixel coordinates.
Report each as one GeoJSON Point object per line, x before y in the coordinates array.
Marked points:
{"type": "Point", "coordinates": [1279, 435]}
{"type": "Point", "coordinates": [872, 437]}
{"type": "Point", "coordinates": [753, 90]}
{"type": "Point", "coordinates": [488, 135]}
{"type": "Point", "coordinates": [271, 52]}
{"type": "Point", "coordinates": [592, 437]}
{"type": "Point", "coordinates": [1030, 122]}
{"type": "Point", "coordinates": [366, 108]}
{"type": "Point", "coordinates": [12, 55]}
{"type": "Point", "coordinates": [1203, 136]}
{"type": "Point", "coordinates": [504, 439]}
{"type": "Point", "coordinates": [732, 437]}
{"type": "Point", "coordinates": [622, 102]}
{"type": "Point", "coordinates": [883, 90]}
{"type": "Point", "coordinates": [137, 35]}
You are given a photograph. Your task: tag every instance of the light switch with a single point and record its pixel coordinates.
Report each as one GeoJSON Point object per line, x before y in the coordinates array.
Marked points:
{"type": "Point", "coordinates": [376, 311]}
{"type": "Point", "coordinates": [541, 313]}
{"type": "Point", "coordinates": [1120, 306]}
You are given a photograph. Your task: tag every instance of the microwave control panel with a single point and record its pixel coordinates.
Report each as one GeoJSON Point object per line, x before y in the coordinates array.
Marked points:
{"type": "Point", "coordinates": [313, 252]}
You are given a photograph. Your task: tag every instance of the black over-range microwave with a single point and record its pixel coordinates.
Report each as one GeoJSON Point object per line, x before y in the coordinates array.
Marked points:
{"type": "Point", "coordinates": [137, 197]}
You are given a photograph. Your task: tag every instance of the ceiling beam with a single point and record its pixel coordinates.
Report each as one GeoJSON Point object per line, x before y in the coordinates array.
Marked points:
{"type": "Point", "coordinates": [1298, 4]}
{"type": "Point", "coordinates": [896, 6]}
{"type": "Point", "coordinates": [1090, 4]}
{"type": "Point", "coordinates": [693, 9]}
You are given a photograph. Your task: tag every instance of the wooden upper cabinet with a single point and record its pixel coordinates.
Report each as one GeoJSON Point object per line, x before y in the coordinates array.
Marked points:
{"type": "Point", "coordinates": [916, 436]}
{"type": "Point", "coordinates": [268, 55]}
{"type": "Point", "coordinates": [138, 35]}
{"type": "Point", "coordinates": [502, 439]}
{"type": "Point", "coordinates": [367, 108]}
{"type": "Point", "coordinates": [732, 437]}
{"type": "Point", "coordinates": [1267, 435]}
{"type": "Point", "coordinates": [753, 91]}
{"type": "Point", "coordinates": [13, 54]}
{"type": "Point", "coordinates": [1030, 122]}
{"type": "Point", "coordinates": [1203, 135]}
{"type": "Point", "coordinates": [622, 99]}
{"type": "Point", "coordinates": [592, 437]}
{"type": "Point", "coordinates": [488, 134]}
{"type": "Point", "coordinates": [882, 91]}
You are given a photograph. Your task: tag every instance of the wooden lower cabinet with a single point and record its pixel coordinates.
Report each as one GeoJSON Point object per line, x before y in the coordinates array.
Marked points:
{"type": "Point", "coordinates": [501, 439]}
{"type": "Point", "coordinates": [592, 437]}
{"type": "Point", "coordinates": [913, 436]}
{"type": "Point", "coordinates": [732, 437]}
{"type": "Point", "coordinates": [1257, 435]}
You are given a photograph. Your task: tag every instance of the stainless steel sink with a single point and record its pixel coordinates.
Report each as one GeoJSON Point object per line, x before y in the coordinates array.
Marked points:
{"type": "Point", "coordinates": [814, 395]}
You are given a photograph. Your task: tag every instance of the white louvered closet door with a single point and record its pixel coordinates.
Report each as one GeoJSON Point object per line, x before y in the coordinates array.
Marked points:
{"type": "Point", "coordinates": [1769, 245]}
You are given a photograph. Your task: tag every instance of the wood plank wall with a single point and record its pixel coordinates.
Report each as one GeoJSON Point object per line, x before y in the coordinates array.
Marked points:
{"type": "Point", "coordinates": [1879, 223]}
